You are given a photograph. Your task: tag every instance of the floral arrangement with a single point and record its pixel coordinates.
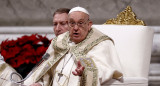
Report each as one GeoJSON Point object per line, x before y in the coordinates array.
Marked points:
{"type": "Point", "coordinates": [25, 52]}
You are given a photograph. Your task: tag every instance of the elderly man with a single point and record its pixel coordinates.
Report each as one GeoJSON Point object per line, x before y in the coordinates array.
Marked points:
{"type": "Point", "coordinates": [81, 57]}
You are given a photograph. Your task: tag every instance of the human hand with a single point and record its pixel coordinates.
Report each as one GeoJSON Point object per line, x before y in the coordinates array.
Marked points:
{"type": "Point", "coordinates": [79, 70]}
{"type": "Point", "coordinates": [35, 84]}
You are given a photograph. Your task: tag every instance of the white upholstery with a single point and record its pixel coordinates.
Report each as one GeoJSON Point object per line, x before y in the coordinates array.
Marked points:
{"type": "Point", "coordinates": [128, 81]}
{"type": "Point", "coordinates": [133, 44]}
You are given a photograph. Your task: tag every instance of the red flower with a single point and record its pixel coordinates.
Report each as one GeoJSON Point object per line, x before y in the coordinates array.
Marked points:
{"type": "Point", "coordinates": [40, 50]}
{"type": "Point", "coordinates": [12, 52]}
{"type": "Point", "coordinates": [24, 50]}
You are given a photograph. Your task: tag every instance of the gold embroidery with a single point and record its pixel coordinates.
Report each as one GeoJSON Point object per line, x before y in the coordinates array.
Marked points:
{"type": "Point", "coordinates": [64, 44]}
{"type": "Point", "coordinates": [80, 50]}
{"type": "Point", "coordinates": [48, 65]}
{"type": "Point", "coordinates": [88, 62]}
{"type": "Point", "coordinates": [65, 40]}
{"type": "Point", "coordinates": [3, 67]}
{"type": "Point", "coordinates": [75, 49]}
{"type": "Point", "coordinates": [94, 71]}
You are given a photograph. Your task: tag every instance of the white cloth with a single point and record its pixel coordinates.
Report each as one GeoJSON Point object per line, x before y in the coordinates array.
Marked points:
{"type": "Point", "coordinates": [1, 57]}
{"type": "Point", "coordinates": [5, 72]}
{"type": "Point", "coordinates": [101, 62]}
{"type": "Point", "coordinates": [100, 54]}
{"type": "Point", "coordinates": [69, 66]}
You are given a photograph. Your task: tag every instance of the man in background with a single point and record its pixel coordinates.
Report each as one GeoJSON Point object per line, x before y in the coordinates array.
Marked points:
{"type": "Point", "coordinates": [60, 21]}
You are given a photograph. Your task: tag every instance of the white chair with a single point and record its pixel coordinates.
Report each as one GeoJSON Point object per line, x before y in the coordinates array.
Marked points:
{"type": "Point", "coordinates": [133, 44]}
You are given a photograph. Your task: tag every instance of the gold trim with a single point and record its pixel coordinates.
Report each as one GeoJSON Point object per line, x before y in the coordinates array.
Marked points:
{"type": "Point", "coordinates": [126, 17]}
{"type": "Point", "coordinates": [3, 67]}
{"type": "Point", "coordinates": [80, 51]}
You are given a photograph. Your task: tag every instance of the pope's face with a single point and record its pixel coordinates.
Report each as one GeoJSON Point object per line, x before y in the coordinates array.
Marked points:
{"type": "Point", "coordinates": [60, 23]}
{"type": "Point", "coordinates": [79, 26]}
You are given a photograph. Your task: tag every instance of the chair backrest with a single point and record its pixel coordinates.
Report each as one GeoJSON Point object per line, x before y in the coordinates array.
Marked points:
{"type": "Point", "coordinates": [133, 44]}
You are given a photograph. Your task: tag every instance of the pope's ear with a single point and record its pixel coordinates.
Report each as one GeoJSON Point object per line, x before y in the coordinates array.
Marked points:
{"type": "Point", "coordinates": [90, 24]}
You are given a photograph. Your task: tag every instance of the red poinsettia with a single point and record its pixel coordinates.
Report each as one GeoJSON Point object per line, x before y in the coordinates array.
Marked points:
{"type": "Point", "coordinates": [24, 50]}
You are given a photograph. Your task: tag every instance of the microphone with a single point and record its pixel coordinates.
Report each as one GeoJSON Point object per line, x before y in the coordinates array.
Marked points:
{"type": "Point", "coordinates": [45, 56]}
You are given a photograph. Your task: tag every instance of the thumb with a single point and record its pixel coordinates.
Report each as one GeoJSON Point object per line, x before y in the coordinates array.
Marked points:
{"type": "Point", "coordinates": [79, 64]}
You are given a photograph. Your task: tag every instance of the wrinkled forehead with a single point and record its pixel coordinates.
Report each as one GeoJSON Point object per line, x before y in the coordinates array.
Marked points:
{"type": "Point", "coordinates": [78, 15]}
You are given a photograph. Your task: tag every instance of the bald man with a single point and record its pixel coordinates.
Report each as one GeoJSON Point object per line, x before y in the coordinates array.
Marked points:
{"type": "Point", "coordinates": [81, 57]}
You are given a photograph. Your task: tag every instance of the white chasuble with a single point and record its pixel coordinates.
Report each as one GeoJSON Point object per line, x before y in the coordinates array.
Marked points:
{"type": "Point", "coordinates": [96, 53]}
{"type": "Point", "coordinates": [5, 72]}
{"type": "Point", "coordinates": [63, 73]}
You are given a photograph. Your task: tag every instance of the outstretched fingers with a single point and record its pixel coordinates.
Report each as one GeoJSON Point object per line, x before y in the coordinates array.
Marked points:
{"type": "Point", "coordinates": [79, 70]}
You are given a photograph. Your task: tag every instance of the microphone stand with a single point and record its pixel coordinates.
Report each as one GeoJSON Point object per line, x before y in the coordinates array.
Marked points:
{"type": "Point", "coordinates": [44, 57]}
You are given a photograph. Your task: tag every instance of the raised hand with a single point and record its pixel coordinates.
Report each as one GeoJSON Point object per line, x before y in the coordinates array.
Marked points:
{"type": "Point", "coordinates": [79, 70]}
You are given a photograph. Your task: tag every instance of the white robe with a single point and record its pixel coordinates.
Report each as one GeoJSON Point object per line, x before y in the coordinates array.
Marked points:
{"type": "Point", "coordinates": [101, 54]}
{"type": "Point", "coordinates": [5, 72]}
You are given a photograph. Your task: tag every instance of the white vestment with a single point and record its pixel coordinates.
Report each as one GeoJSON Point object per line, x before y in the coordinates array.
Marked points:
{"type": "Point", "coordinates": [101, 63]}
{"type": "Point", "coordinates": [71, 65]}
{"type": "Point", "coordinates": [5, 72]}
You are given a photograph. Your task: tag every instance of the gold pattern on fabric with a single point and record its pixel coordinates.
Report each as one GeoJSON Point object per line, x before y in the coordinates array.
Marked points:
{"type": "Point", "coordinates": [126, 17]}
{"type": "Point", "coordinates": [88, 71]}
{"type": "Point", "coordinates": [49, 64]}
{"type": "Point", "coordinates": [87, 62]}
{"type": "Point", "coordinates": [76, 49]}
{"type": "Point", "coordinates": [80, 50]}
{"type": "Point", "coordinates": [61, 46]}
{"type": "Point", "coordinates": [3, 67]}
{"type": "Point", "coordinates": [94, 37]}
{"type": "Point", "coordinates": [59, 52]}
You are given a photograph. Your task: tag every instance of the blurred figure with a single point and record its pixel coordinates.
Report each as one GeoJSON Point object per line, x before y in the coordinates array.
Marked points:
{"type": "Point", "coordinates": [60, 21]}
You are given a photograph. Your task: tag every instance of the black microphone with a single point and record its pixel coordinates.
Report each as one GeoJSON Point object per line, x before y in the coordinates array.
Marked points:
{"type": "Point", "coordinates": [45, 56]}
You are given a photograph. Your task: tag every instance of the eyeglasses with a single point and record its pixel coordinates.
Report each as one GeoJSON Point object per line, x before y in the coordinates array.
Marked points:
{"type": "Point", "coordinates": [79, 24]}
